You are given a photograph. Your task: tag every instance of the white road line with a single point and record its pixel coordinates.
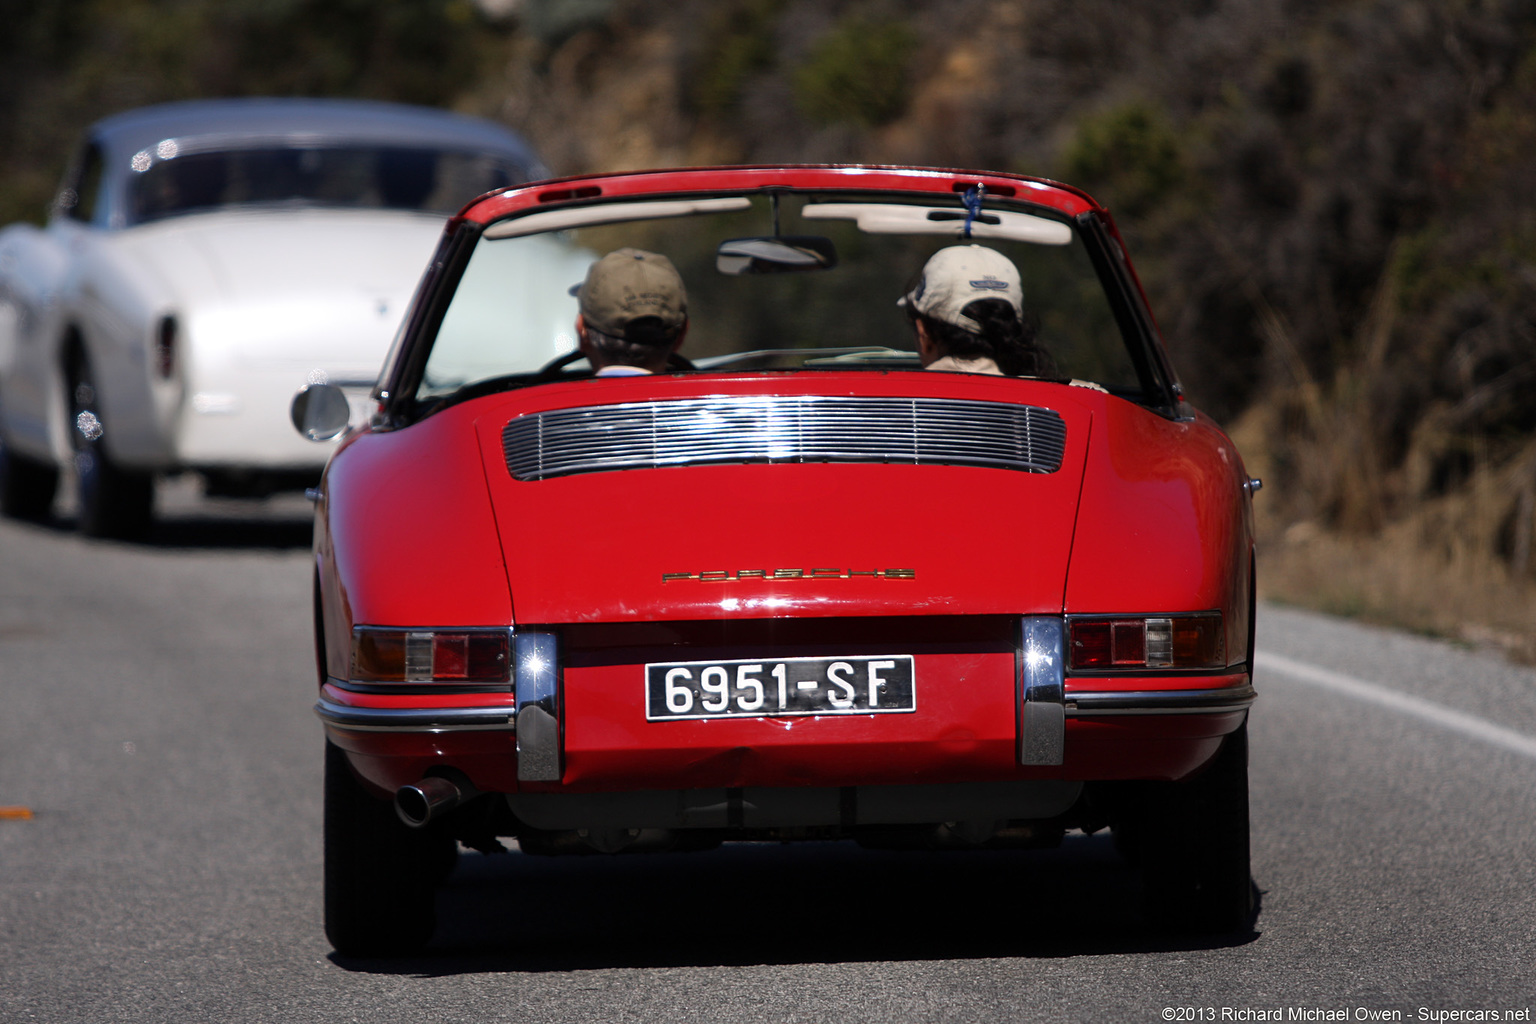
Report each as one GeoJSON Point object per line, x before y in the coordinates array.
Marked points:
{"type": "Point", "coordinates": [1428, 710]}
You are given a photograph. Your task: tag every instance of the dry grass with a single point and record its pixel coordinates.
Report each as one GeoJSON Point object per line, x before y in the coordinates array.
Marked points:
{"type": "Point", "coordinates": [1457, 565]}
{"type": "Point", "coordinates": [1392, 580]}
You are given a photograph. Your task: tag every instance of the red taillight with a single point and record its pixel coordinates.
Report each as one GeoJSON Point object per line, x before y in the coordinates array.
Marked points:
{"type": "Point", "coordinates": [1104, 643]}
{"type": "Point", "coordinates": [425, 656]}
{"type": "Point", "coordinates": [450, 656]}
{"type": "Point", "coordinates": [1174, 641]}
{"type": "Point", "coordinates": [1128, 642]}
{"type": "Point", "coordinates": [1091, 645]}
{"type": "Point", "coordinates": [475, 657]}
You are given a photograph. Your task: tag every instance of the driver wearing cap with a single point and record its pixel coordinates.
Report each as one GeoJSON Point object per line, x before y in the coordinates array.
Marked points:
{"type": "Point", "coordinates": [634, 313]}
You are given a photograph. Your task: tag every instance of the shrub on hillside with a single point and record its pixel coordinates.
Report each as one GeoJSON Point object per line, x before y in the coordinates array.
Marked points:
{"type": "Point", "coordinates": [858, 73]}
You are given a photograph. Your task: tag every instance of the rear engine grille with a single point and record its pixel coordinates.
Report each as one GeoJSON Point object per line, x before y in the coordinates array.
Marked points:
{"type": "Point", "coordinates": [711, 431]}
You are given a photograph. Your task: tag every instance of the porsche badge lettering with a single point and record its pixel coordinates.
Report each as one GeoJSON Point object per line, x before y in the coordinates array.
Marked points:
{"type": "Point", "coordinates": [728, 575]}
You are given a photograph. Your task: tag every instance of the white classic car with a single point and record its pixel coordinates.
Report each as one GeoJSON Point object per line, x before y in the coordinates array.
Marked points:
{"type": "Point", "coordinates": [202, 262]}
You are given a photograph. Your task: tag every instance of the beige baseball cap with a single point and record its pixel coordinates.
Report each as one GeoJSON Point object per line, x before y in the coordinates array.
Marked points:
{"type": "Point", "coordinates": [628, 284]}
{"type": "Point", "coordinates": [959, 275]}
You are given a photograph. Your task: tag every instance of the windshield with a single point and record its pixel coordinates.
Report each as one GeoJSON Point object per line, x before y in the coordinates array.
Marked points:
{"type": "Point", "coordinates": [363, 177]}
{"type": "Point", "coordinates": [782, 282]}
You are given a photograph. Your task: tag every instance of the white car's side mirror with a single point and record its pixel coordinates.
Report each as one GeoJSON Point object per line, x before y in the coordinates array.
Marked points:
{"type": "Point", "coordinates": [320, 411]}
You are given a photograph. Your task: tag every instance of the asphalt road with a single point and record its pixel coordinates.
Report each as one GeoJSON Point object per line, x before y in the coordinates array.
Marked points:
{"type": "Point", "coordinates": [155, 718]}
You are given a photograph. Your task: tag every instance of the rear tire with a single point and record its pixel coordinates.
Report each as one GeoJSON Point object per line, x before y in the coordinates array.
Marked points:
{"type": "Point", "coordinates": [112, 501]}
{"type": "Point", "coordinates": [1191, 841]}
{"type": "Point", "coordinates": [27, 486]}
{"type": "Point", "coordinates": [380, 875]}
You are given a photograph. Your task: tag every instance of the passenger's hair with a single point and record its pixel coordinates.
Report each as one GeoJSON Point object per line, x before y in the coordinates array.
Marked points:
{"type": "Point", "coordinates": [1003, 337]}
{"type": "Point", "coordinates": [643, 336]}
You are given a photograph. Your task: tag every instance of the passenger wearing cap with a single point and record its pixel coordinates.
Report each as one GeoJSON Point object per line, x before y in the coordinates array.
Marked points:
{"type": "Point", "coordinates": [634, 313]}
{"type": "Point", "coordinates": [967, 310]}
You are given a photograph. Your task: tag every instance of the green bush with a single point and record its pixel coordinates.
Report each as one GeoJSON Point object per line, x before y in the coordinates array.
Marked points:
{"type": "Point", "coordinates": [1128, 156]}
{"type": "Point", "coordinates": [857, 74]}
{"type": "Point", "coordinates": [738, 44]}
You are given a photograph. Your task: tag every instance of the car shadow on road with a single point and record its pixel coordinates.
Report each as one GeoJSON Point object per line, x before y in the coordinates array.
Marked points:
{"type": "Point", "coordinates": [785, 904]}
{"type": "Point", "coordinates": [186, 516]}
{"type": "Point", "coordinates": [210, 531]}
{"type": "Point", "coordinates": [231, 532]}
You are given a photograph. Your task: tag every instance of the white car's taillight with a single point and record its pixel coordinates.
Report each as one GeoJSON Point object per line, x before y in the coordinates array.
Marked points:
{"type": "Point", "coordinates": [431, 656]}
{"type": "Point", "coordinates": [1154, 641]}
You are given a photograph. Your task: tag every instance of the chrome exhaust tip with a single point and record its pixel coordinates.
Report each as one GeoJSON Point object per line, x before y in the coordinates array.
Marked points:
{"type": "Point", "coordinates": [422, 801]}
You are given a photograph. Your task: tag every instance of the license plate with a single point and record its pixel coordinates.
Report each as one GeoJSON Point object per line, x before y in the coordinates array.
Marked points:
{"type": "Point", "coordinates": [784, 686]}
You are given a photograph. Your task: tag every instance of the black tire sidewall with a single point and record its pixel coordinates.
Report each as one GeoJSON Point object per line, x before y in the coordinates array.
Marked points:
{"type": "Point", "coordinates": [1192, 841]}
{"type": "Point", "coordinates": [111, 501]}
{"type": "Point", "coordinates": [380, 875]}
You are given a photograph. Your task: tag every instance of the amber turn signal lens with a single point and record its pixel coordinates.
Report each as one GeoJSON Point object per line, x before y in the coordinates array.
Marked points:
{"type": "Point", "coordinates": [1199, 642]}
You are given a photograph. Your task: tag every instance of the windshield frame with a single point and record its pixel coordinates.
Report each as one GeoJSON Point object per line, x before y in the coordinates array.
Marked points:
{"type": "Point", "coordinates": [1091, 227]}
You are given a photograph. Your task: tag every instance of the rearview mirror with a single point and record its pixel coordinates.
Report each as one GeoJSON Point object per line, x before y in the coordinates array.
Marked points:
{"type": "Point", "coordinates": [780, 254]}
{"type": "Point", "coordinates": [320, 411]}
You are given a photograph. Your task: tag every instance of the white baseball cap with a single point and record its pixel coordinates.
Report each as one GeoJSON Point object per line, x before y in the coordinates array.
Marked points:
{"type": "Point", "coordinates": [959, 275]}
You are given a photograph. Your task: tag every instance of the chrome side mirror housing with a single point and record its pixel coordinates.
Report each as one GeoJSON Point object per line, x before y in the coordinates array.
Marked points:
{"type": "Point", "coordinates": [320, 411]}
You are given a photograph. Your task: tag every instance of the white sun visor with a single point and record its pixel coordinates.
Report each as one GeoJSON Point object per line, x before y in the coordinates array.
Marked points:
{"type": "Point", "coordinates": [612, 213]}
{"type": "Point", "coordinates": [894, 219]}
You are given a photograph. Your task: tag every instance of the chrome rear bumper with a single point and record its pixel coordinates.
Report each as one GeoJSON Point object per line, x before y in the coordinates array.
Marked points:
{"type": "Point", "coordinates": [1159, 702]}
{"type": "Point", "coordinates": [344, 716]}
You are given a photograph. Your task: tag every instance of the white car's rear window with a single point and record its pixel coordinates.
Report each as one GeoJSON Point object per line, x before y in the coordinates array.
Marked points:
{"type": "Point", "coordinates": [367, 177]}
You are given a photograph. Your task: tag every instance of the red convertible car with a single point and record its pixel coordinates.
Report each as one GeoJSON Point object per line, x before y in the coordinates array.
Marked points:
{"type": "Point", "coordinates": [778, 503]}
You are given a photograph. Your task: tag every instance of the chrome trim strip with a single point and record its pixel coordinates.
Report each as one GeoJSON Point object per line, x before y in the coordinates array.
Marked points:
{"type": "Point", "coordinates": [345, 716]}
{"type": "Point", "coordinates": [1042, 719]}
{"type": "Point", "coordinates": [793, 428]}
{"type": "Point", "coordinates": [1161, 702]}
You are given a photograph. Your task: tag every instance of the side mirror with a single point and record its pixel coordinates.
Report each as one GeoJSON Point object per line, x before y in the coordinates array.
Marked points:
{"type": "Point", "coordinates": [320, 411]}
{"type": "Point", "coordinates": [780, 254]}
